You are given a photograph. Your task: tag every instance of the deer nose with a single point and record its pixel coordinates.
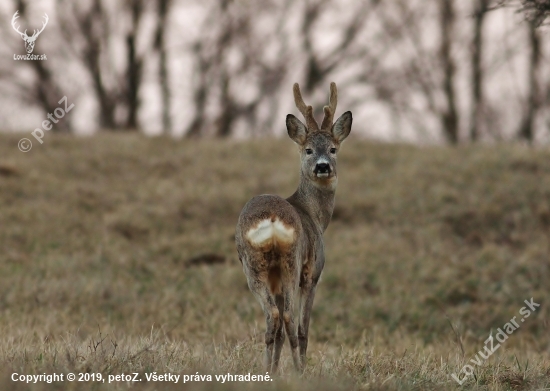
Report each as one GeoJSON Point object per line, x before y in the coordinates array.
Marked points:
{"type": "Point", "coordinates": [322, 168]}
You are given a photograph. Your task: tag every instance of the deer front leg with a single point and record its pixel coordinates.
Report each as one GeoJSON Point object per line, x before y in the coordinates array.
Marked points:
{"type": "Point", "coordinates": [306, 304]}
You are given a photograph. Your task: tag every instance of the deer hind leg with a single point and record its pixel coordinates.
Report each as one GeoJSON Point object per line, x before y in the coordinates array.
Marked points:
{"type": "Point", "coordinates": [279, 334]}
{"type": "Point", "coordinates": [290, 326]}
{"type": "Point", "coordinates": [272, 319]}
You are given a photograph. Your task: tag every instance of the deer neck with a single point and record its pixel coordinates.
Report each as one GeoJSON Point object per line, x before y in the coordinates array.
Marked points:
{"type": "Point", "coordinates": [315, 201]}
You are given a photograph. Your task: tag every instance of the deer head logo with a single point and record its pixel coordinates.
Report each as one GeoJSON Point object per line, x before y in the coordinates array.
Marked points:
{"type": "Point", "coordinates": [29, 41]}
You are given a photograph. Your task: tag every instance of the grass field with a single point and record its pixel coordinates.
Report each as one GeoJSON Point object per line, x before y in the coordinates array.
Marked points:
{"type": "Point", "coordinates": [117, 256]}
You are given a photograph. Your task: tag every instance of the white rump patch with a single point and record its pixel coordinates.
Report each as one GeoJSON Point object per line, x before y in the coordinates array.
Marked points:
{"type": "Point", "coordinates": [267, 231]}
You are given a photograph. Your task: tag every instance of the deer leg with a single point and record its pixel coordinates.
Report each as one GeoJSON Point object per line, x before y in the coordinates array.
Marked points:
{"type": "Point", "coordinates": [272, 319]}
{"type": "Point", "coordinates": [279, 334]}
{"type": "Point", "coordinates": [306, 303]}
{"type": "Point", "coordinates": [288, 317]}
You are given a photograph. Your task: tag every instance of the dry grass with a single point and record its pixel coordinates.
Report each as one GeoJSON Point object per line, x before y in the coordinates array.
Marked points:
{"type": "Point", "coordinates": [118, 256]}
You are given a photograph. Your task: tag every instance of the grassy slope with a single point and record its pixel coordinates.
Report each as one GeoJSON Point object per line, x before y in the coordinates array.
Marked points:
{"type": "Point", "coordinates": [96, 235]}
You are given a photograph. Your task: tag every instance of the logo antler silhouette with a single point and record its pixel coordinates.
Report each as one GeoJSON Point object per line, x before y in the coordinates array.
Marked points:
{"type": "Point", "coordinates": [29, 41]}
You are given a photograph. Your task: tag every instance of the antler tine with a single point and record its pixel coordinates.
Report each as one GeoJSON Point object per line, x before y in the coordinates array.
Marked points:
{"type": "Point", "coordinates": [331, 108]}
{"type": "Point", "coordinates": [307, 111]}
{"type": "Point", "coordinates": [46, 19]}
{"type": "Point", "coordinates": [13, 21]}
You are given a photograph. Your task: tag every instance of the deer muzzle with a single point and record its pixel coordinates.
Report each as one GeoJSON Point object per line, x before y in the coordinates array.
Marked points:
{"type": "Point", "coordinates": [322, 169]}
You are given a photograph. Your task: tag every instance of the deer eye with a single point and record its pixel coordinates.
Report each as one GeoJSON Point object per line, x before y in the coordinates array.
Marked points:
{"type": "Point", "coordinates": [309, 151]}
{"type": "Point", "coordinates": [333, 150]}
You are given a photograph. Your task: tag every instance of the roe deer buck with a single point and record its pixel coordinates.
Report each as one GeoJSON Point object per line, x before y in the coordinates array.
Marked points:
{"type": "Point", "coordinates": [280, 241]}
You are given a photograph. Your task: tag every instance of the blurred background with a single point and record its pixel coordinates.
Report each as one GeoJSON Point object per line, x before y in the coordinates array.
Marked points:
{"type": "Point", "coordinates": [423, 71]}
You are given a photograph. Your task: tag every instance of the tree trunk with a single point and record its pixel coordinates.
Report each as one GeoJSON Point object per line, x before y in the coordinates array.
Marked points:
{"type": "Point", "coordinates": [200, 94]}
{"type": "Point", "coordinates": [133, 73]}
{"type": "Point", "coordinates": [449, 117]}
{"type": "Point", "coordinates": [526, 131]}
{"type": "Point", "coordinates": [224, 123]}
{"type": "Point", "coordinates": [477, 70]}
{"type": "Point", "coordinates": [160, 44]}
{"type": "Point", "coordinates": [46, 91]}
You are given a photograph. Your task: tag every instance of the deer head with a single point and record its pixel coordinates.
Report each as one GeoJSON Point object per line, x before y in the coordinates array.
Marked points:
{"type": "Point", "coordinates": [29, 41]}
{"type": "Point", "coordinates": [319, 146]}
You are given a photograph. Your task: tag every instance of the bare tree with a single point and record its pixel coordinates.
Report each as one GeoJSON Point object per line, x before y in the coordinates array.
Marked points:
{"type": "Point", "coordinates": [88, 28]}
{"type": "Point", "coordinates": [536, 10]}
{"type": "Point", "coordinates": [44, 90]}
{"type": "Point", "coordinates": [233, 30]}
{"type": "Point", "coordinates": [349, 49]}
{"type": "Point", "coordinates": [421, 87]}
{"type": "Point", "coordinates": [134, 70]}
{"type": "Point", "coordinates": [163, 7]}
{"type": "Point", "coordinates": [211, 67]}
{"type": "Point", "coordinates": [450, 115]}
{"type": "Point", "coordinates": [89, 23]}
{"type": "Point", "coordinates": [200, 92]}
{"type": "Point", "coordinates": [232, 50]}
{"type": "Point", "coordinates": [533, 103]}
{"type": "Point", "coordinates": [481, 9]}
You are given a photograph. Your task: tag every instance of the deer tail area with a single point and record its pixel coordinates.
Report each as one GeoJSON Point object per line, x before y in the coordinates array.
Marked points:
{"type": "Point", "coordinates": [271, 234]}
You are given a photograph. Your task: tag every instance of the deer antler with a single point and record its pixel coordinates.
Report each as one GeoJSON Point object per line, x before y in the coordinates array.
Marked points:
{"type": "Point", "coordinates": [331, 108]}
{"type": "Point", "coordinates": [307, 111]}
{"type": "Point", "coordinates": [36, 34]}
{"type": "Point", "coordinates": [15, 17]}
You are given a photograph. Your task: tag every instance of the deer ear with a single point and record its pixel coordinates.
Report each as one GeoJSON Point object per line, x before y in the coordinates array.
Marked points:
{"type": "Point", "coordinates": [342, 126]}
{"type": "Point", "coordinates": [297, 131]}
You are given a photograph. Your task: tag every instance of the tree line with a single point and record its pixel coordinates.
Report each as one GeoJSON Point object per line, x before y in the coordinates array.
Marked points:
{"type": "Point", "coordinates": [425, 66]}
